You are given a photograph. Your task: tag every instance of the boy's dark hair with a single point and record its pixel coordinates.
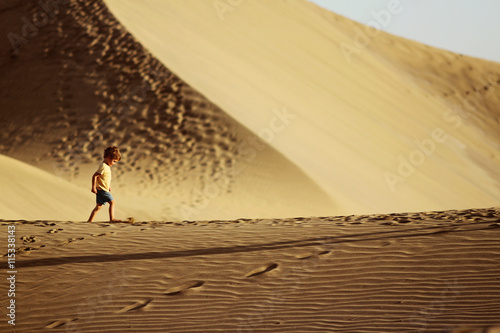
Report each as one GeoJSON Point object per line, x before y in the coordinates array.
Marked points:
{"type": "Point", "coordinates": [112, 152]}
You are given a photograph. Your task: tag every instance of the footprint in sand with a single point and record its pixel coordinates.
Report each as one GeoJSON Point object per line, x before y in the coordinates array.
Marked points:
{"type": "Point", "coordinates": [104, 234]}
{"type": "Point", "coordinates": [59, 323]}
{"type": "Point", "coordinates": [28, 239]}
{"type": "Point", "coordinates": [183, 288]}
{"type": "Point", "coordinates": [262, 270]}
{"type": "Point", "coordinates": [402, 220]}
{"type": "Point", "coordinates": [305, 256]}
{"type": "Point", "coordinates": [71, 240]}
{"type": "Point", "coordinates": [45, 224]}
{"type": "Point", "coordinates": [32, 248]}
{"type": "Point", "coordinates": [136, 306]}
{"type": "Point", "coordinates": [28, 249]}
{"type": "Point", "coordinates": [324, 253]}
{"type": "Point", "coordinates": [54, 231]}
{"type": "Point", "coordinates": [312, 255]}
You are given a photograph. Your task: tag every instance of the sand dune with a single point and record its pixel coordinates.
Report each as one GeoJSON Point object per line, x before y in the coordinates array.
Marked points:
{"type": "Point", "coordinates": [82, 83]}
{"type": "Point", "coordinates": [381, 123]}
{"type": "Point", "coordinates": [261, 113]}
{"type": "Point", "coordinates": [427, 272]}
{"type": "Point", "coordinates": [38, 195]}
{"type": "Point", "coordinates": [299, 127]}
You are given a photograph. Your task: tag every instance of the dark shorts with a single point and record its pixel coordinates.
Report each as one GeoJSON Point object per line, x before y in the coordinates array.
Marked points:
{"type": "Point", "coordinates": [102, 197]}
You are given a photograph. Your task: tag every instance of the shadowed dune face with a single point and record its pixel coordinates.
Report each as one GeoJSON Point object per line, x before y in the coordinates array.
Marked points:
{"type": "Point", "coordinates": [74, 82]}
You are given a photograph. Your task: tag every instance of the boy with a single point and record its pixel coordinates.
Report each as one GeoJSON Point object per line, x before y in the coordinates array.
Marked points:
{"type": "Point", "coordinates": [101, 181]}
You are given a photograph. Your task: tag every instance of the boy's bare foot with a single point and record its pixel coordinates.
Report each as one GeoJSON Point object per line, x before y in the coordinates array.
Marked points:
{"type": "Point", "coordinates": [115, 220]}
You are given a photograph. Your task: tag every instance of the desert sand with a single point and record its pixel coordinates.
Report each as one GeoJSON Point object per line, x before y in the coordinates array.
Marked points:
{"type": "Point", "coordinates": [423, 272]}
{"type": "Point", "coordinates": [284, 170]}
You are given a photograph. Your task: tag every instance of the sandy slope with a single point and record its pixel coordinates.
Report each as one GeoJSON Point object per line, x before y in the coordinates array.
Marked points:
{"type": "Point", "coordinates": [39, 195]}
{"type": "Point", "coordinates": [79, 82]}
{"type": "Point", "coordinates": [381, 123]}
{"type": "Point", "coordinates": [427, 272]}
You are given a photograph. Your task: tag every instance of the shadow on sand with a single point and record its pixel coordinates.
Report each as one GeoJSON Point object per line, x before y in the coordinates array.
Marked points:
{"type": "Point", "coordinates": [319, 241]}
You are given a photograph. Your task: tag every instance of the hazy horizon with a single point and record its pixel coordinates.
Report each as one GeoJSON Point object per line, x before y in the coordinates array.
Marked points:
{"type": "Point", "coordinates": [462, 26]}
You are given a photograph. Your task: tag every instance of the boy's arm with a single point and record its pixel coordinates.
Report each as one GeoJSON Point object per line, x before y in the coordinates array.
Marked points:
{"type": "Point", "coordinates": [94, 178]}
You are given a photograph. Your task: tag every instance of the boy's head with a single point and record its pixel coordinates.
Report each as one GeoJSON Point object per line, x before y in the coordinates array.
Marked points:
{"type": "Point", "coordinates": [112, 155]}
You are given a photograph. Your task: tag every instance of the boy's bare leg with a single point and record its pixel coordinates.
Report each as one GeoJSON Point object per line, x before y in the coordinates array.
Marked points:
{"type": "Point", "coordinates": [94, 211]}
{"type": "Point", "coordinates": [112, 211]}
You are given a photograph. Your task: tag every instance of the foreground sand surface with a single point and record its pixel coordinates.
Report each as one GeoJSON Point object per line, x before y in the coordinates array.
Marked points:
{"type": "Point", "coordinates": [422, 272]}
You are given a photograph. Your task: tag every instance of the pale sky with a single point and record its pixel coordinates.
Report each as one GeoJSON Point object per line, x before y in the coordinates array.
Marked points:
{"type": "Point", "coordinates": [470, 27]}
